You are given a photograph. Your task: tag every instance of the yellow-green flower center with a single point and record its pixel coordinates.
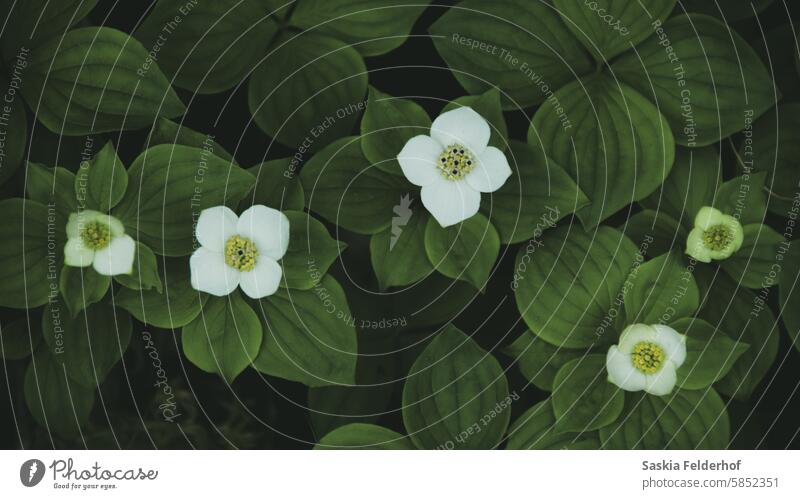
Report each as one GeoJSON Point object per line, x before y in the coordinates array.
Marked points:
{"type": "Point", "coordinates": [718, 237]}
{"type": "Point", "coordinates": [455, 162]}
{"type": "Point", "coordinates": [96, 235]}
{"type": "Point", "coordinates": [648, 357]}
{"type": "Point", "coordinates": [241, 253]}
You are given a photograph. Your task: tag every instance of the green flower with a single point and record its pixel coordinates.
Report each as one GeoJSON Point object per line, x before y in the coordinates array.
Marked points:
{"type": "Point", "coordinates": [715, 236]}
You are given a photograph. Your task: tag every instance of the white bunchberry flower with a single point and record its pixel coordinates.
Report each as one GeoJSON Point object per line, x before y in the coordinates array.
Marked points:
{"type": "Point", "coordinates": [239, 251]}
{"type": "Point", "coordinates": [99, 240]}
{"type": "Point", "coordinates": [646, 358]}
{"type": "Point", "coordinates": [454, 165]}
{"type": "Point", "coordinates": [715, 236]}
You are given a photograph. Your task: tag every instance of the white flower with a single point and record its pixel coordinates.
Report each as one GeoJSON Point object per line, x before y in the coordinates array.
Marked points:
{"type": "Point", "coordinates": [239, 251]}
{"type": "Point", "coordinates": [715, 236]}
{"type": "Point", "coordinates": [646, 358]}
{"type": "Point", "coordinates": [454, 165]}
{"type": "Point", "coordinates": [99, 240]}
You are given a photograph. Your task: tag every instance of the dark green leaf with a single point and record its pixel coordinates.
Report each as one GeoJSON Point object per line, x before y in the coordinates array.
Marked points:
{"type": "Point", "coordinates": [14, 126]}
{"type": "Point", "coordinates": [583, 398]}
{"type": "Point", "coordinates": [168, 132]}
{"type": "Point", "coordinates": [309, 336]}
{"type": "Point", "coordinates": [662, 290]}
{"type": "Point", "coordinates": [345, 189]}
{"type": "Point", "coordinates": [81, 287]}
{"type": "Point", "coordinates": [744, 198]}
{"type": "Point", "coordinates": [703, 76]}
{"type": "Point", "coordinates": [311, 251]}
{"type": "Point", "coordinates": [614, 143]}
{"type": "Point", "coordinates": [658, 230]}
{"type": "Point", "coordinates": [276, 186]}
{"type": "Point", "coordinates": [755, 264]}
{"type": "Point", "coordinates": [364, 436]}
{"type": "Point", "coordinates": [456, 395]}
{"type": "Point", "coordinates": [569, 289]}
{"type": "Point", "coordinates": [538, 360]}
{"type": "Point", "coordinates": [101, 183]}
{"type": "Point", "coordinates": [95, 80]}
{"type": "Point", "coordinates": [398, 253]}
{"type": "Point", "coordinates": [145, 274]}
{"type": "Point", "coordinates": [53, 187]}
{"type": "Point", "coordinates": [710, 353]}
{"type": "Point", "coordinates": [33, 22]}
{"type": "Point", "coordinates": [19, 338]}
{"type": "Point", "coordinates": [489, 106]}
{"type": "Point", "coordinates": [224, 338]}
{"type": "Point", "coordinates": [522, 47]}
{"type": "Point", "coordinates": [317, 95]}
{"type": "Point", "coordinates": [729, 10]}
{"type": "Point", "coordinates": [466, 251]}
{"type": "Point", "coordinates": [685, 420]}
{"type": "Point", "coordinates": [789, 291]}
{"type": "Point", "coordinates": [536, 429]}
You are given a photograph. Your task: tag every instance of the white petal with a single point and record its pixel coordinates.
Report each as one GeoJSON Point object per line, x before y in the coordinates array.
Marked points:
{"type": "Point", "coordinates": [636, 333]}
{"type": "Point", "coordinates": [116, 258]}
{"type": "Point", "coordinates": [76, 254]}
{"type": "Point", "coordinates": [77, 221]}
{"type": "Point", "coordinates": [211, 274]}
{"type": "Point", "coordinates": [215, 226]}
{"type": "Point", "coordinates": [114, 224]}
{"type": "Point", "coordinates": [462, 126]}
{"type": "Point", "coordinates": [696, 248]}
{"type": "Point", "coordinates": [418, 160]}
{"type": "Point", "coordinates": [450, 201]}
{"type": "Point", "coordinates": [673, 343]}
{"type": "Point", "coordinates": [491, 171]}
{"type": "Point", "coordinates": [707, 217]}
{"type": "Point", "coordinates": [662, 382]}
{"type": "Point", "coordinates": [621, 371]}
{"type": "Point", "coordinates": [263, 280]}
{"type": "Point", "coordinates": [267, 228]}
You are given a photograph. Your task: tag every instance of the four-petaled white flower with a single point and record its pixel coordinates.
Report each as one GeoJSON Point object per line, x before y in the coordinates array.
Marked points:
{"type": "Point", "coordinates": [454, 165]}
{"type": "Point", "coordinates": [99, 240]}
{"type": "Point", "coordinates": [239, 251]}
{"type": "Point", "coordinates": [646, 358]}
{"type": "Point", "coordinates": [715, 236]}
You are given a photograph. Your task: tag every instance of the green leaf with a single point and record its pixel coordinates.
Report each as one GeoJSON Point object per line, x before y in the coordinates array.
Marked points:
{"type": "Point", "coordinates": [388, 123]}
{"type": "Point", "coordinates": [432, 301]}
{"type": "Point", "coordinates": [31, 253]}
{"type": "Point", "coordinates": [89, 345]}
{"type": "Point", "coordinates": [15, 137]}
{"type": "Point", "coordinates": [17, 339]}
{"type": "Point", "coordinates": [344, 188]}
{"type": "Point", "coordinates": [177, 306]}
{"type": "Point", "coordinates": [773, 149]}
{"type": "Point", "coordinates": [373, 27]}
{"type": "Point", "coordinates": [691, 184]}
{"type": "Point", "coordinates": [755, 264]}
{"type": "Point", "coordinates": [73, 79]}
{"type": "Point", "coordinates": [583, 398]}
{"type": "Point", "coordinates": [710, 353]}
{"type": "Point", "coordinates": [662, 290]}
{"type": "Point", "coordinates": [538, 194]}
{"type": "Point", "coordinates": [398, 253]}
{"type": "Point", "coordinates": [224, 338]}
{"type": "Point", "coordinates": [309, 336]}
{"type": "Point", "coordinates": [168, 132]}
{"type": "Point", "coordinates": [539, 361]}
{"type": "Point", "coordinates": [536, 429]}
{"type": "Point", "coordinates": [466, 251]}
{"type": "Point", "coordinates": [100, 183]}
{"type": "Point", "coordinates": [364, 436]}
{"type": "Point", "coordinates": [608, 28]}
{"type": "Point", "coordinates": [702, 75]}
{"type": "Point", "coordinates": [615, 144]}
{"type": "Point", "coordinates": [745, 317]}
{"type": "Point", "coordinates": [788, 293]}
{"type": "Point", "coordinates": [685, 420]}
{"type": "Point", "coordinates": [145, 274]}
{"type": "Point", "coordinates": [744, 198]}
{"type": "Point", "coordinates": [33, 22]}
{"type": "Point", "coordinates": [171, 185]}
{"type": "Point", "coordinates": [331, 407]}
{"type": "Point", "coordinates": [276, 186]}
{"type": "Point", "coordinates": [489, 106]}
{"type": "Point", "coordinates": [729, 10]}
{"type": "Point", "coordinates": [456, 395]}
{"type": "Point", "coordinates": [53, 187]}
{"type": "Point", "coordinates": [207, 47]}
{"type": "Point", "coordinates": [311, 251]}
{"type": "Point", "coordinates": [659, 231]}
{"type": "Point", "coordinates": [81, 287]}
{"type": "Point", "coordinates": [522, 47]}
{"type": "Point", "coordinates": [57, 403]}
{"type": "Point", "coordinates": [317, 95]}
{"type": "Point", "coordinates": [569, 289]}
